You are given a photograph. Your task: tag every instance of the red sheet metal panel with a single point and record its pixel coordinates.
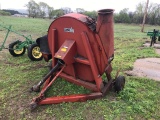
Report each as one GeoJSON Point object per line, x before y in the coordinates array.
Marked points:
{"type": "Point", "coordinates": [71, 27]}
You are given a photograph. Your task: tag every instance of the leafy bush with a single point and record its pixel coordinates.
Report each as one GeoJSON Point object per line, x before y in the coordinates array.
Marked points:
{"type": "Point", "coordinates": [4, 13]}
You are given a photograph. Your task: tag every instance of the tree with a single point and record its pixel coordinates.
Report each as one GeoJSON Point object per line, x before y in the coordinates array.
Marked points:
{"type": "Point", "coordinates": [57, 13]}
{"type": "Point", "coordinates": [4, 13]}
{"type": "Point", "coordinates": [154, 14]}
{"type": "Point", "coordinates": [139, 13]}
{"type": "Point", "coordinates": [32, 8]}
{"type": "Point", "coordinates": [66, 10]}
{"type": "Point", "coordinates": [29, 5]}
{"type": "Point", "coordinates": [145, 14]}
{"type": "Point", "coordinates": [50, 12]}
{"type": "Point", "coordinates": [12, 12]}
{"type": "Point", "coordinates": [80, 10]}
{"type": "Point", "coordinates": [92, 14]}
{"type": "Point", "coordinates": [123, 16]}
{"type": "Point", "coordinates": [43, 9]}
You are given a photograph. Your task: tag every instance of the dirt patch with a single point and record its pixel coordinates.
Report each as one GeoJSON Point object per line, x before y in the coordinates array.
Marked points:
{"type": "Point", "coordinates": [158, 51]}
{"type": "Point", "coordinates": [3, 55]}
{"type": "Point", "coordinates": [156, 45]}
{"type": "Point", "coordinates": [148, 67]}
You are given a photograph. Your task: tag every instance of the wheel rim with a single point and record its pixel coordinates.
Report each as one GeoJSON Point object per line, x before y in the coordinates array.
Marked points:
{"type": "Point", "coordinates": [36, 52]}
{"type": "Point", "coordinates": [17, 51]}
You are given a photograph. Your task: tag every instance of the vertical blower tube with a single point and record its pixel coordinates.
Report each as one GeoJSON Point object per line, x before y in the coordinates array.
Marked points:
{"type": "Point", "coordinates": [104, 29]}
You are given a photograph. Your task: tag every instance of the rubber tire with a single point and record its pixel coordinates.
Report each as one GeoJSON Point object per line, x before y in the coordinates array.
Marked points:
{"type": "Point", "coordinates": [159, 38]}
{"type": "Point", "coordinates": [151, 43]}
{"type": "Point", "coordinates": [119, 83]}
{"type": "Point", "coordinates": [12, 52]}
{"type": "Point", "coordinates": [30, 55]}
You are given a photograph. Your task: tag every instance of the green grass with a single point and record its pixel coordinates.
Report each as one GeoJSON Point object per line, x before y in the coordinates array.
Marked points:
{"type": "Point", "coordinates": [27, 26]}
{"type": "Point", "coordinates": [139, 100]}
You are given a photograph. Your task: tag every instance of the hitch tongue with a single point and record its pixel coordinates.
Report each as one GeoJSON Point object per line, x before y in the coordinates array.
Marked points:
{"type": "Point", "coordinates": [35, 102]}
{"type": "Point", "coordinates": [36, 88]}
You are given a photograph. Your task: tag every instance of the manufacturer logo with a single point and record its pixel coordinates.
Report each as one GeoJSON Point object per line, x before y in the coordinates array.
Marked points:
{"type": "Point", "coordinates": [69, 30]}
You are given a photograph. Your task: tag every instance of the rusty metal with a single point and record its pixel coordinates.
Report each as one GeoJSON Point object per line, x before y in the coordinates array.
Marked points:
{"type": "Point", "coordinates": [104, 29]}
{"type": "Point", "coordinates": [86, 48]}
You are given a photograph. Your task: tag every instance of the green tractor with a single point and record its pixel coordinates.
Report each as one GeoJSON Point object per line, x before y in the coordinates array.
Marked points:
{"type": "Point", "coordinates": [154, 35]}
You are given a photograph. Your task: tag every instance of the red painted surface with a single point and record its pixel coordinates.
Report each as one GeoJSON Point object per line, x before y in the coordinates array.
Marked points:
{"type": "Point", "coordinates": [70, 98]}
{"type": "Point", "coordinates": [105, 23]}
{"type": "Point", "coordinates": [85, 52]}
{"type": "Point", "coordinates": [102, 48]}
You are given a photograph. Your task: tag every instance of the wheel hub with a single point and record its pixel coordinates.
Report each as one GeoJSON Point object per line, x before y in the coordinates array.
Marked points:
{"type": "Point", "coordinates": [17, 51]}
{"type": "Point", "coordinates": [36, 52]}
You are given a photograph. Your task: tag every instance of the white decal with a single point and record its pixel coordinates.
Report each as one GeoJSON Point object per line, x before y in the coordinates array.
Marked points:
{"type": "Point", "coordinates": [69, 30]}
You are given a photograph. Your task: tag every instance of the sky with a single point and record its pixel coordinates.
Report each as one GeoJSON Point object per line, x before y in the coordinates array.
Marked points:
{"type": "Point", "coordinates": [88, 5]}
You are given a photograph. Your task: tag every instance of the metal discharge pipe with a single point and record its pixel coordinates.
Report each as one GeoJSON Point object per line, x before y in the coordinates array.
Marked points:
{"type": "Point", "coordinates": [104, 29]}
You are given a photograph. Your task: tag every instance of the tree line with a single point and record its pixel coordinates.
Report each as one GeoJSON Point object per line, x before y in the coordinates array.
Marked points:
{"type": "Point", "coordinates": [153, 14]}
{"type": "Point", "coordinates": [42, 10]}
{"type": "Point", "coordinates": [124, 16]}
{"type": "Point", "coordinates": [8, 12]}
{"type": "Point", "coordinates": [4, 13]}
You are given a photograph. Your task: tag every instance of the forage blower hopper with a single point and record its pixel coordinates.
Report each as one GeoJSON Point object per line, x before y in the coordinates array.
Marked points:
{"type": "Point", "coordinates": [81, 50]}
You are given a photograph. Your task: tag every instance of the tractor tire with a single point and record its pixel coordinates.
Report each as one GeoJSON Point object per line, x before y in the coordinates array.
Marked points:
{"type": "Point", "coordinates": [119, 83]}
{"type": "Point", "coordinates": [34, 52]}
{"type": "Point", "coordinates": [13, 51]}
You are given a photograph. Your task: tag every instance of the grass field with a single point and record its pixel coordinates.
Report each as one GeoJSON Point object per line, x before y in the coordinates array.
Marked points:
{"type": "Point", "coordinates": [140, 99]}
